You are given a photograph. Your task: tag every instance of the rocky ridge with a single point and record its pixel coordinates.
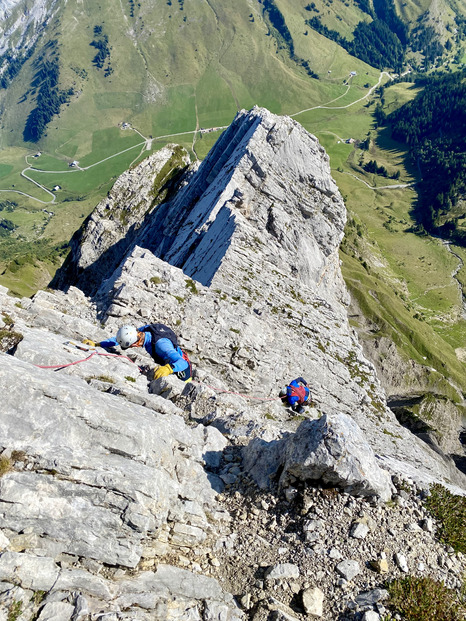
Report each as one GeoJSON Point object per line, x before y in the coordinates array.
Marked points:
{"type": "Point", "coordinates": [126, 498]}
{"type": "Point", "coordinates": [20, 25]}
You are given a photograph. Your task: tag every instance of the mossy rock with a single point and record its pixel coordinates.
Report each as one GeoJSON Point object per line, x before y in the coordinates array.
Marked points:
{"type": "Point", "coordinates": [9, 339]}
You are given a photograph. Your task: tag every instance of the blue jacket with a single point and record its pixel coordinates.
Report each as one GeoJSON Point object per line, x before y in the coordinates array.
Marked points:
{"type": "Point", "coordinates": [291, 396]}
{"type": "Point", "coordinates": [163, 347]}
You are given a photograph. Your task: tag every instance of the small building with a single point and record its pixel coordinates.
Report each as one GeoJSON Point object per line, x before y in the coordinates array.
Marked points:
{"type": "Point", "coordinates": [56, 187]}
{"type": "Point", "coordinates": [125, 125]}
{"type": "Point", "coordinates": [353, 73]}
{"type": "Point", "coordinates": [38, 154]}
{"type": "Point", "coordinates": [73, 164]}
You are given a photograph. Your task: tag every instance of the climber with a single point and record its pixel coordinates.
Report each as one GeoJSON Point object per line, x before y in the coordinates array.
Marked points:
{"type": "Point", "coordinates": [159, 341]}
{"type": "Point", "coordinates": [296, 394]}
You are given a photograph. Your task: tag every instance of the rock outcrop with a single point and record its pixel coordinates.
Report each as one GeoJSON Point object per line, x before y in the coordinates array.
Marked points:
{"type": "Point", "coordinates": [330, 449]}
{"type": "Point", "coordinates": [115, 223]}
{"type": "Point", "coordinates": [125, 498]}
{"type": "Point", "coordinates": [21, 24]}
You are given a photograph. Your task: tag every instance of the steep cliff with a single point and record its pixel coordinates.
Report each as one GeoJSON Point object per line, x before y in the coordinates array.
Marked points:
{"type": "Point", "coordinates": [126, 498]}
{"type": "Point", "coordinates": [258, 224]}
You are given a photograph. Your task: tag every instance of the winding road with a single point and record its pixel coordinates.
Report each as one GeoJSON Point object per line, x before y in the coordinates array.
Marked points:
{"type": "Point", "coordinates": [147, 143]}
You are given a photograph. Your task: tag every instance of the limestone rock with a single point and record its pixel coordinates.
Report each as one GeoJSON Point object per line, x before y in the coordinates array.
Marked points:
{"type": "Point", "coordinates": [369, 598]}
{"type": "Point", "coordinates": [380, 565]}
{"type": "Point", "coordinates": [348, 569]}
{"type": "Point", "coordinates": [262, 208]}
{"type": "Point", "coordinates": [282, 571]}
{"type": "Point", "coordinates": [136, 500]}
{"type": "Point", "coordinates": [359, 530]}
{"type": "Point", "coordinates": [313, 601]}
{"type": "Point", "coordinates": [332, 449]}
{"type": "Point", "coordinates": [56, 611]}
{"type": "Point", "coordinates": [335, 450]}
{"type": "Point", "coordinates": [400, 560]}
{"type": "Point", "coordinates": [112, 227]}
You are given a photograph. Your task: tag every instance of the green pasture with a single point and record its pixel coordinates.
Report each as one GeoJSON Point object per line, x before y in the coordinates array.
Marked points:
{"type": "Point", "coordinates": [393, 155]}
{"type": "Point", "coordinates": [27, 279]}
{"type": "Point", "coordinates": [29, 221]}
{"type": "Point", "coordinates": [398, 94]}
{"type": "Point", "coordinates": [178, 114]}
{"type": "Point", "coordinates": [352, 122]}
{"type": "Point", "coordinates": [417, 270]}
{"type": "Point", "coordinates": [69, 216]}
{"type": "Point", "coordinates": [411, 9]}
{"type": "Point", "coordinates": [47, 162]}
{"type": "Point", "coordinates": [415, 338]}
{"type": "Point", "coordinates": [130, 101]}
{"type": "Point", "coordinates": [338, 151]}
{"type": "Point", "coordinates": [84, 181]}
{"type": "Point", "coordinates": [214, 100]}
{"type": "Point", "coordinates": [5, 170]}
{"type": "Point", "coordinates": [20, 186]}
{"type": "Point", "coordinates": [12, 162]}
{"type": "Point", "coordinates": [108, 142]}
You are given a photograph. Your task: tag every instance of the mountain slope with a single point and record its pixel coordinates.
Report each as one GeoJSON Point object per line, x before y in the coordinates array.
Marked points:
{"type": "Point", "coordinates": [259, 222]}
{"type": "Point", "coordinates": [146, 499]}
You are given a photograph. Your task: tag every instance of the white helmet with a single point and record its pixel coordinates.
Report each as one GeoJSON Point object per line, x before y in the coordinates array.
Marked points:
{"type": "Point", "coordinates": [127, 336]}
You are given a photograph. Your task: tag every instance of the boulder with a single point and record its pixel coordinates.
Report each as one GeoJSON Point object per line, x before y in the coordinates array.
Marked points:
{"type": "Point", "coordinates": [334, 450]}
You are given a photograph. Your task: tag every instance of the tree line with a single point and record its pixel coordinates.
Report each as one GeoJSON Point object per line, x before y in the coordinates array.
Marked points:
{"type": "Point", "coordinates": [49, 97]}
{"type": "Point", "coordinates": [374, 43]}
{"type": "Point", "coordinates": [12, 65]}
{"type": "Point", "coordinates": [277, 21]}
{"type": "Point", "coordinates": [373, 167]}
{"type": "Point", "coordinates": [433, 126]}
{"type": "Point", "coordinates": [384, 41]}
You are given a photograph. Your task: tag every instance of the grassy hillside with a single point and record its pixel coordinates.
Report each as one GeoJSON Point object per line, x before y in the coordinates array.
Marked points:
{"type": "Point", "coordinates": [170, 68]}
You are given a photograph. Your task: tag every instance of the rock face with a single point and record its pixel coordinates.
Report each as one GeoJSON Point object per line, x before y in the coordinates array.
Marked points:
{"type": "Point", "coordinates": [114, 224]}
{"type": "Point", "coordinates": [21, 23]}
{"type": "Point", "coordinates": [330, 449]}
{"type": "Point", "coordinates": [125, 498]}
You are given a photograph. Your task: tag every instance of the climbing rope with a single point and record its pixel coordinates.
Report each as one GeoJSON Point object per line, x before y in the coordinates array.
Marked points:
{"type": "Point", "coordinates": [238, 394]}
{"type": "Point", "coordinates": [70, 364]}
{"type": "Point", "coordinates": [96, 353]}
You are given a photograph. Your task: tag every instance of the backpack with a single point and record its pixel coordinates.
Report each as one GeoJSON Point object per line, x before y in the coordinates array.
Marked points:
{"type": "Point", "coordinates": [160, 331]}
{"type": "Point", "coordinates": [298, 391]}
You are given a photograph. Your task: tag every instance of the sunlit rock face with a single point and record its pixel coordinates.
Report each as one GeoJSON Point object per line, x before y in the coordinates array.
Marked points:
{"type": "Point", "coordinates": [21, 22]}
{"type": "Point", "coordinates": [131, 498]}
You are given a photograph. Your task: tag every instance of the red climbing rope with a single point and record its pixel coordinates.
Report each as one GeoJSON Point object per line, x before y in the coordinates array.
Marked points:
{"type": "Point", "coordinates": [96, 353]}
{"type": "Point", "coordinates": [238, 394]}
{"type": "Point", "coordinates": [70, 364]}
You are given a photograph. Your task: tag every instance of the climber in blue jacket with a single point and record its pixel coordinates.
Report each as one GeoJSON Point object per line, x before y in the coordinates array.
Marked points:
{"type": "Point", "coordinates": [159, 341]}
{"type": "Point", "coordinates": [296, 394]}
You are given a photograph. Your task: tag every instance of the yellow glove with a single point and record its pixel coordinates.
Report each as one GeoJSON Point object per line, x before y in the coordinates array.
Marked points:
{"type": "Point", "coordinates": [163, 371]}
{"type": "Point", "coordinates": [89, 342]}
